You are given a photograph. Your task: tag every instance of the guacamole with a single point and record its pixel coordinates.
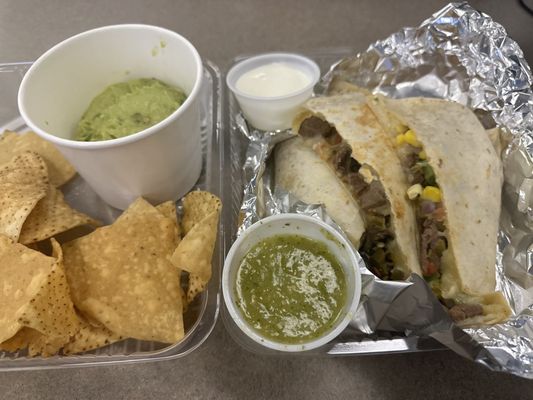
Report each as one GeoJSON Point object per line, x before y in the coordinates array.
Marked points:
{"type": "Point", "coordinates": [128, 107]}
{"type": "Point", "coordinates": [290, 288]}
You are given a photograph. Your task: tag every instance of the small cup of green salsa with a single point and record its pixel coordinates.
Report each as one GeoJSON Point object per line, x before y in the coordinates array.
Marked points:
{"type": "Point", "coordinates": [291, 282]}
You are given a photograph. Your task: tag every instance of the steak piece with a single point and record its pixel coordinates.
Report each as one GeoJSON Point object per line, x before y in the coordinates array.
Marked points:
{"type": "Point", "coordinates": [460, 312]}
{"type": "Point", "coordinates": [373, 197]}
{"type": "Point", "coordinates": [356, 183]}
{"type": "Point", "coordinates": [342, 154]}
{"type": "Point", "coordinates": [314, 126]}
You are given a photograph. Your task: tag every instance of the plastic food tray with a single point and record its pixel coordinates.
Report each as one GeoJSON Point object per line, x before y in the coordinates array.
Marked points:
{"type": "Point", "coordinates": [349, 342]}
{"type": "Point", "coordinates": [201, 317]}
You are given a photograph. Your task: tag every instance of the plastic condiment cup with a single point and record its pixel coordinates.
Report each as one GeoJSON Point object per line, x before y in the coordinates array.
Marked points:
{"type": "Point", "coordinates": [273, 113]}
{"type": "Point", "coordinates": [160, 163]}
{"type": "Point", "coordinates": [293, 224]}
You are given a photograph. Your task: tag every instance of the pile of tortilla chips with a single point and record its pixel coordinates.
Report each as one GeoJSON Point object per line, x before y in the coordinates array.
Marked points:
{"type": "Point", "coordinates": [119, 281]}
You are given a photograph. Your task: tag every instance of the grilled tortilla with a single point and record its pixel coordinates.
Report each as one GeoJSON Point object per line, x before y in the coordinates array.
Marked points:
{"type": "Point", "coordinates": [343, 131]}
{"type": "Point", "coordinates": [455, 179]}
{"type": "Point", "coordinates": [300, 171]}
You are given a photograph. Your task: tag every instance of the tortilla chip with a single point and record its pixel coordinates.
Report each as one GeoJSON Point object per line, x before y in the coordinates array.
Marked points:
{"type": "Point", "coordinates": [51, 216]}
{"type": "Point", "coordinates": [121, 277]}
{"type": "Point", "coordinates": [35, 341]}
{"type": "Point", "coordinates": [195, 251]}
{"type": "Point", "coordinates": [59, 169]}
{"type": "Point", "coordinates": [19, 341]}
{"type": "Point", "coordinates": [168, 209]}
{"type": "Point", "coordinates": [23, 182]}
{"type": "Point", "coordinates": [36, 309]}
{"type": "Point", "coordinates": [90, 337]}
{"type": "Point", "coordinates": [7, 135]}
{"type": "Point", "coordinates": [197, 205]}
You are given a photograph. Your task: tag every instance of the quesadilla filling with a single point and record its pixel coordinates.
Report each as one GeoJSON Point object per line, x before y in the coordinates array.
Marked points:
{"type": "Point", "coordinates": [360, 180]}
{"type": "Point", "coordinates": [431, 217]}
{"type": "Point", "coordinates": [425, 192]}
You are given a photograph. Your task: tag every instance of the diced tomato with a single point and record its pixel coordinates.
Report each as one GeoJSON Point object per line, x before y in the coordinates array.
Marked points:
{"type": "Point", "coordinates": [429, 268]}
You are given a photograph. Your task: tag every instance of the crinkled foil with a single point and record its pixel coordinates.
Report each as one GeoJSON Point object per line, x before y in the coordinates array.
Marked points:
{"type": "Point", "coordinates": [462, 55]}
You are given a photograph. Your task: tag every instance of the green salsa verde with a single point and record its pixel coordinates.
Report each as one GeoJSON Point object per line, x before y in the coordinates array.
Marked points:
{"type": "Point", "coordinates": [290, 288]}
{"type": "Point", "coordinates": [128, 107]}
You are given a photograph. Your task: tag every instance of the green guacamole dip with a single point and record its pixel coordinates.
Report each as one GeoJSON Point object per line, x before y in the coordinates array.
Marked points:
{"type": "Point", "coordinates": [290, 289]}
{"type": "Point", "coordinates": [128, 107]}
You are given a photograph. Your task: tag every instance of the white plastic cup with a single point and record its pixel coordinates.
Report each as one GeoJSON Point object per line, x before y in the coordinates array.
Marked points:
{"type": "Point", "coordinates": [160, 163]}
{"type": "Point", "coordinates": [312, 228]}
{"type": "Point", "coordinates": [273, 113]}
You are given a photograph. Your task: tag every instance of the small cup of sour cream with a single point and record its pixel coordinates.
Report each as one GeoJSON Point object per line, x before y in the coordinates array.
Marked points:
{"type": "Point", "coordinates": [291, 283]}
{"type": "Point", "coordinates": [270, 88]}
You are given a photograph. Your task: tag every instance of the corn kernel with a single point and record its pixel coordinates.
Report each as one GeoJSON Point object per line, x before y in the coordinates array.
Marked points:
{"type": "Point", "coordinates": [422, 155]}
{"type": "Point", "coordinates": [400, 139]}
{"type": "Point", "coordinates": [366, 173]}
{"type": "Point", "coordinates": [431, 193]}
{"type": "Point", "coordinates": [410, 138]}
{"type": "Point", "coordinates": [414, 191]}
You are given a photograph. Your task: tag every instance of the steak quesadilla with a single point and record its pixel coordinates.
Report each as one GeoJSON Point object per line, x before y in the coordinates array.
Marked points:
{"type": "Point", "coordinates": [455, 179]}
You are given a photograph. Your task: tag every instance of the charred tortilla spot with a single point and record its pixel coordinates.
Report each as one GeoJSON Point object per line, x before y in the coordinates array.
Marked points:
{"type": "Point", "coordinates": [367, 118]}
{"type": "Point", "coordinates": [400, 211]}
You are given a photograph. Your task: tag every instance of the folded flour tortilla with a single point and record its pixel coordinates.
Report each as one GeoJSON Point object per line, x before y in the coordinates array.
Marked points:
{"type": "Point", "coordinates": [300, 171]}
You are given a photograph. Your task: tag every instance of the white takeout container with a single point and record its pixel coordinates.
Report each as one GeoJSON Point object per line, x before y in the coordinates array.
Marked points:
{"type": "Point", "coordinates": [273, 113]}
{"type": "Point", "coordinates": [293, 224]}
{"type": "Point", "coordinates": [159, 163]}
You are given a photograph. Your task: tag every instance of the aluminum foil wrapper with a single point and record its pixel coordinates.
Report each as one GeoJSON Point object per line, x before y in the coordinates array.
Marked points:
{"type": "Point", "coordinates": [462, 55]}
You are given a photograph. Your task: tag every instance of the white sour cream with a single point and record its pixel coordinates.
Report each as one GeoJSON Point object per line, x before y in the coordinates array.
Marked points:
{"type": "Point", "coordinates": [273, 80]}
